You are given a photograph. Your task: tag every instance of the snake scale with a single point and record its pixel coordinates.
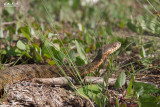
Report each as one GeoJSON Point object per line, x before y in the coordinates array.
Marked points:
{"type": "Point", "coordinates": [29, 71]}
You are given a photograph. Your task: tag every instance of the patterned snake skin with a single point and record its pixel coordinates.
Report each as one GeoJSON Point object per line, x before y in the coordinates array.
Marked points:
{"type": "Point", "coordinates": [29, 71]}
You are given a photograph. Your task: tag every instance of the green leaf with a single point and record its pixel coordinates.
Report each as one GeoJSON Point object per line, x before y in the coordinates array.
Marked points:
{"type": "Point", "coordinates": [88, 38]}
{"type": "Point", "coordinates": [90, 91]}
{"type": "Point", "coordinates": [59, 55]}
{"type": "Point", "coordinates": [27, 54]}
{"type": "Point", "coordinates": [51, 62]}
{"type": "Point", "coordinates": [45, 52]}
{"type": "Point", "coordinates": [10, 10]}
{"type": "Point", "coordinates": [132, 26]}
{"type": "Point", "coordinates": [139, 91]}
{"type": "Point", "coordinates": [120, 80]}
{"type": "Point", "coordinates": [147, 101]}
{"type": "Point", "coordinates": [79, 61]}
{"type": "Point", "coordinates": [36, 47]}
{"type": "Point", "coordinates": [121, 24]}
{"type": "Point", "coordinates": [148, 88]}
{"type": "Point", "coordinates": [2, 51]}
{"type": "Point", "coordinates": [117, 102]}
{"type": "Point", "coordinates": [81, 52]}
{"type": "Point", "coordinates": [101, 100]}
{"type": "Point", "coordinates": [37, 57]}
{"type": "Point", "coordinates": [37, 53]}
{"type": "Point", "coordinates": [133, 77]}
{"type": "Point", "coordinates": [129, 88]}
{"type": "Point", "coordinates": [21, 45]}
{"type": "Point", "coordinates": [128, 72]}
{"type": "Point", "coordinates": [143, 53]}
{"type": "Point", "coordinates": [72, 55]}
{"type": "Point", "coordinates": [26, 32]}
{"type": "Point", "coordinates": [14, 51]}
{"type": "Point", "coordinates": [133, 69]}
{"type": "Point", "coordinates": [49, 49]}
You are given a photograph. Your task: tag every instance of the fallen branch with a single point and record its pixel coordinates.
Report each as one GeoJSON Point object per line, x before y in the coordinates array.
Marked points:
{"type": "Point", "coordinates": [111, 81]}
{"type": "Point", "coordinates": [63, 81]}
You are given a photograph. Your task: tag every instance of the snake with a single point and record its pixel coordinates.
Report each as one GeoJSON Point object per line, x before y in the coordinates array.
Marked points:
{"type": "Point", "coordinates": [29, 71]}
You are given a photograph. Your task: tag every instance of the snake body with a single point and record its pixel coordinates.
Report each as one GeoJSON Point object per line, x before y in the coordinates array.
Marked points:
{"type": "Point", "coordinates": [29, 71]}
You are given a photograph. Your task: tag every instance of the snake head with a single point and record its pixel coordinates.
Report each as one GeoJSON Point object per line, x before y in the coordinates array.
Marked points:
{"type": "Point", "coordinates": [103, 53]}
{"type": "Point", "coordinates": [110, 48]}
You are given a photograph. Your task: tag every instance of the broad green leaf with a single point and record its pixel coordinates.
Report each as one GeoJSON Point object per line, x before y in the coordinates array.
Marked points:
{"type": "Point", "coordinates": [147, 101]}
{"type": "Point", "coordinates": [90, 91]}
{"type": "Point", "coordinates": [72, 55]}
{"type": "Point", "coordinates": [81, 52]}
{"type": "Point", "coordinates": [21, 45]}
{"type": "Point", "coordinates": [120, 80]}
{"type": "Point", "coordinates": [139, 92]}
{"type": "Point", "coordinates": [2, 51]}
{"type": "Point", "coordinates": [148, 88]}
{"type": "Point", "coordinates": [59, 55]}
{"type": "Point", "coordinates": [132, 26]}
{"type": "Point", "coordinates": [79, 61]}
{"type": "Point", "coordinates": [45, 52]}
{"type": "Point", "coordinates": [10, 10]}
{"type": "Point", "coordinates": [14, 51]}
